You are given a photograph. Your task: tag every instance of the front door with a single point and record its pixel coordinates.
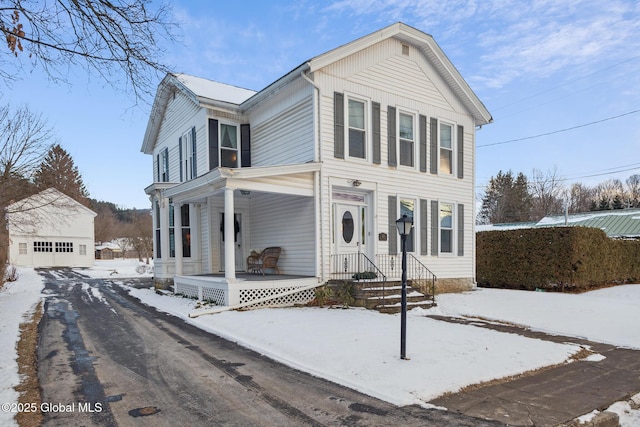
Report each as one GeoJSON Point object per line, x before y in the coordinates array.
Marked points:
{"type": "Point", "coordinates": [350, 228]}
{"type": "Point", "coordinates": [237, 233]}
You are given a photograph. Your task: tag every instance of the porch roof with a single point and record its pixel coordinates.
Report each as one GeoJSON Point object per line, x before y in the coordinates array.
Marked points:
{"type": "Point", "coordinates": [295, 179]}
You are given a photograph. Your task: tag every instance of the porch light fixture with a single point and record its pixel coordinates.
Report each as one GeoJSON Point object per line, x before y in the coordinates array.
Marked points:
{"type": "Point", "coordinates": [404, 225]}
{"type": "Point", "coordinates": [356, 183]}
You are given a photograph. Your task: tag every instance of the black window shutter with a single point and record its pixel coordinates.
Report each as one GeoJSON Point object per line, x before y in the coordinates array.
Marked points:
{"type": "Point", "coordinates": [391, 135]}
{"type": "Point", "coordinates": [424, 227]}
{"type": "Point", "coordinates": [158, 167]}
{"type": "Point", "coordinates": [460, 230]}
{"type": "Point", "coordinates": [393, 231]}
{"type": "Point", "coordinates": [375, 112]}
{"type": "Point", "coordinates": [435, 235]}
{"type": "Point", "coordinates": [213, 144]}
{"type": "Point", "coordinates": [194, 159]}
{"type": "Point", "coordinates": [460, 152]}
{"type": "Point", "coordinates": [434, 146]}
{"type": "Point", "coordinates": [423, 142]}
{"type": "Point", "coordinates": [338, 125]}
{"type": "Point", "coordinates": [180, 156]}
{"type": "Point", "coordinates": [245, 143]}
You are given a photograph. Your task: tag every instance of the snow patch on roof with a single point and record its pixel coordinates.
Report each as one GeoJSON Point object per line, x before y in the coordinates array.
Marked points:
{"type": "Point", "coordinates": [215, 90]}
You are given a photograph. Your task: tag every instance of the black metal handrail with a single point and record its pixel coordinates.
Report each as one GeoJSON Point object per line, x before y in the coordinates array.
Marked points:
{"type": "Point", "coordinates": [357, 267]}
{"type": "Point", "coordinates": [418, 273]}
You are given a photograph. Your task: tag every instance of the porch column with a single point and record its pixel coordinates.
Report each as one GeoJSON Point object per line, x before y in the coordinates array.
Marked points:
{"type": "Point", "coordinates": [229, 233]}
{"type": "Point", "coordinates": [164, 232]}
{"type": "Point", "coordinates": [177, 234]}
{"type": "Point", "coordinates": [194, 223]}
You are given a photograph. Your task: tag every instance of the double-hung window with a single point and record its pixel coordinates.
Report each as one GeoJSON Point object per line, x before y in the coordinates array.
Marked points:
{"type": "Point", "coordinates": [165, 165]}
{"type": "Point", "coordinates": [446, 148]}
{"type": "Point", "coordinates": [229, 155]}
{"type": "Point", "coordinates": [406, 136]}
{"type": "Point", "coordinates": [357, 128]}
{"type": "Point", "coordinates": [188, 158]}
{"type": "Point", "coordinates": [186, 230]}
{"type": "Point", "coordinates": [446, 228]}
{"type": "Point", "coordinates": [407, 207]}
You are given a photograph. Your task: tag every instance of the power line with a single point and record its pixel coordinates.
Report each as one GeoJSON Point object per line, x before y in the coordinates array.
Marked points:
{"type": "Point", "coordinates": [558, 131]}
{"type": "Point", "coordinates": [614, 170]}
{"type": "Point", "coordinates": [565, 83]}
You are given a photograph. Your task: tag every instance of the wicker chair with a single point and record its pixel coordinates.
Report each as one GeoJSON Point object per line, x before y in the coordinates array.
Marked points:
{"type": "Point", "coordinates": [268, 258]}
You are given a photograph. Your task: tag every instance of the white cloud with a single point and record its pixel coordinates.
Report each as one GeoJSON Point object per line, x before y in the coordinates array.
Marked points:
{"type": "Point", "coordinates": [534, 39]}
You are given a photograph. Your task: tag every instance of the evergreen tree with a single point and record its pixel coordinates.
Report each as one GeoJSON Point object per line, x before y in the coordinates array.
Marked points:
{"type": "Point", "coordinates": [506, 199]}
{"type": "Point", "coordinates": [58, 170]}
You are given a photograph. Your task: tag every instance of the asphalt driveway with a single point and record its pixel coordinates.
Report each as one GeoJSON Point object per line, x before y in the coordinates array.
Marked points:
{"type": "Point", "coordinates": [105, 359]}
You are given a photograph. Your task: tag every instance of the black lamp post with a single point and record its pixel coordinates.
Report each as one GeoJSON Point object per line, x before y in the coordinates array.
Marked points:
{"type": "Point", "coordinates": [404, 225]}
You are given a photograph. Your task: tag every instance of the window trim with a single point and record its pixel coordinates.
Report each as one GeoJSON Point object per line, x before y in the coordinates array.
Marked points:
{"type": "Point", "coordinates": [414, 122]}
{"type": "Point", "coordinates": [453, 149]}
{"type": "Point", "coordinates": [367, 127]}
{"type": "Point", "coordinates": [454, 228]}
{"type": "Point", "coordinates": [188, 156]}
{"type": "Point", "coordinates": [238, 148]}
{"type": "Point", "coordinates": [164, 170]}
{"type": "Point", "coordinates": [415, 230]}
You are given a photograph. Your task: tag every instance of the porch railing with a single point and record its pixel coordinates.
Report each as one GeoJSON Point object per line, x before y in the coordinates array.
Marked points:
{"type": "Point", "coordinates": [357, 266]}
{"type": "Point", "coordinates": [418, 273]}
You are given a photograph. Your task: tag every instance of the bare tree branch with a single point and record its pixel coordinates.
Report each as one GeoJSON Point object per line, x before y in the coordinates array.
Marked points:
{"type": "Point", "coordinates": [117, 40]}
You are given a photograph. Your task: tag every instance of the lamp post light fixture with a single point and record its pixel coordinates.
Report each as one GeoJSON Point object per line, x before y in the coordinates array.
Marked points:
{"type": "Point", "coordinates": [404, 225]}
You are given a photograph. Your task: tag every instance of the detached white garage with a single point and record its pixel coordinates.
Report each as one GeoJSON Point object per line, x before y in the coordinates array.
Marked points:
{"type": "Point", "coordinates": [50, 229]}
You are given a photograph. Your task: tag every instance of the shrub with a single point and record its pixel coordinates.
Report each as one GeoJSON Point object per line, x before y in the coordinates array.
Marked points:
{"type": "Point", "coordinates": [555, 258]}
{"type": "Point", "coordinates": [11, 273]}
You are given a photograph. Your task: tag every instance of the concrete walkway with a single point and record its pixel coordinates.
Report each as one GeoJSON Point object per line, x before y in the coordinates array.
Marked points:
{"type": "Point", "coordinates": [552, 396]}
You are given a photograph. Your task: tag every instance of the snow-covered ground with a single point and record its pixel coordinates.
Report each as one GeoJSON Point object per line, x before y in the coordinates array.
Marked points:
{"type": "Point", "coordinates": [360, 348]}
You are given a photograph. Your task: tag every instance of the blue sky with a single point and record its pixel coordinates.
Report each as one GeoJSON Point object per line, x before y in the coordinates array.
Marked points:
{"type": "Point", "coordinates": [540, 67]}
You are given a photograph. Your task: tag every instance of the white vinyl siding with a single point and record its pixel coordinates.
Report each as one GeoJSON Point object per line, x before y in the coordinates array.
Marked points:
{"type": "Point", "coordinates": [409, 84]}
{"type": "Point", "coordinates": [287, 222]}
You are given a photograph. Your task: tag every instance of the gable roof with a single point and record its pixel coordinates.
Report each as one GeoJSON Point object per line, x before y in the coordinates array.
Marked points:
{"type": "Point", "coordinates": [222, 96]}
{"type": "Point", "coordinates": [429, 48]}
{"type": "Point", "coordinates": [623, 223]}
{"type": "Point", "coordinates": [49, 197]}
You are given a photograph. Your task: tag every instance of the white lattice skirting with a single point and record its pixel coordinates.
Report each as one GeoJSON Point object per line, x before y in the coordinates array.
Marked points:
{"type": "Point", "coordinates": [224, 293]}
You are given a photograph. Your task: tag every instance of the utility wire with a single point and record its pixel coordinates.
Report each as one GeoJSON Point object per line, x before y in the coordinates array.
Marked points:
{"type": "Point", "coordinates": [558, 131]}
{"type": "Point", "coordinates": [565, 84]}
{"type": "Point", "coordinates": [601, 172]}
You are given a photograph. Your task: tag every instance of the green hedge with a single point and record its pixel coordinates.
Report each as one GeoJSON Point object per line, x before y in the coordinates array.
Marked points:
{"type": "Point", "coordinates": [555, 258]}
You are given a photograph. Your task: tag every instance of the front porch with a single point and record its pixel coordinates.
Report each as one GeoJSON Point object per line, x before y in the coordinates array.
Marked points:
{"type": "Point", "coordinates": [269, 290]}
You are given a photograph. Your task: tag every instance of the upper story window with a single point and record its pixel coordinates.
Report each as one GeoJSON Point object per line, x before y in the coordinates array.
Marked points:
{"type": "Point", "coordinates": [446, 143]}
{"type": "Point", "coordinates": [188, 155]}
{"type": "Point", "coordinates": [357, 129]}
{"type": "Point", "coordinates": [164, 159]}
{"type": "Point", "coordinates": [229, 156]}
{"type": "Point", "coordinates": [406, 136]}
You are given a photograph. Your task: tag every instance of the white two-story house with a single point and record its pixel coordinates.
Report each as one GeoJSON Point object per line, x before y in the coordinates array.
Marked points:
{"type": "Point", "coordinates": [320, 163]}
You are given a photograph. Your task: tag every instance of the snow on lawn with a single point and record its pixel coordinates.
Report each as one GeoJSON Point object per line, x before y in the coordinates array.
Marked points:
{"type": "Point", "coordinates": [360, 348]}
{"type": "Point", "coordinates": [117, 268]}
{"type": "Point", "coordinates": [609, 315]}
{"type": "Point", "coordinates": [17, 302]}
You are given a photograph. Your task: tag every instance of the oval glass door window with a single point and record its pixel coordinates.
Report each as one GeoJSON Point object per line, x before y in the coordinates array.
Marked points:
{"type": "Point", "coordinates": [347, 227]}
